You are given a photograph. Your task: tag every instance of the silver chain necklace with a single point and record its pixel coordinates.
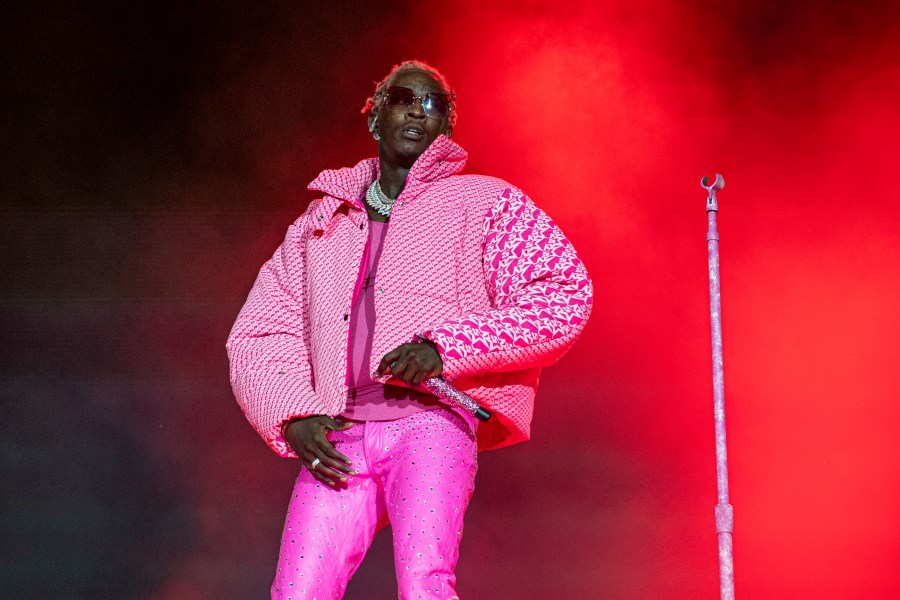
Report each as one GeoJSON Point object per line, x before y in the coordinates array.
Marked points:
{"type": "Point", "coordinates": [378, 200]}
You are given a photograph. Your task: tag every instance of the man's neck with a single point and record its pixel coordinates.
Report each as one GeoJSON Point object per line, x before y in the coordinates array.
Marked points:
{"type": "Point", "coordinates": [393, 179]}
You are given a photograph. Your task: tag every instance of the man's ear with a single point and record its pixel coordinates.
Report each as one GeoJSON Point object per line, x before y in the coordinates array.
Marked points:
{"type": "Point", "coordinates": [449, 132]}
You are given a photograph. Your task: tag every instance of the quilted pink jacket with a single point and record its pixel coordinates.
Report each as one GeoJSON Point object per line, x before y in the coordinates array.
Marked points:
{"type": "Point", "coordinates": [469, 262]}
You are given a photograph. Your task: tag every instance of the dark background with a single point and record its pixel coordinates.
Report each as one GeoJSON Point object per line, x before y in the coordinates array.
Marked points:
{"type": "Point", "coordinates": [153, 155]}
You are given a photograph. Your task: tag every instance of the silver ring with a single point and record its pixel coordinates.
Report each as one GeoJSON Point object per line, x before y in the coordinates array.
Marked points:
{"type": "Point", "coordinates": [314, 464]}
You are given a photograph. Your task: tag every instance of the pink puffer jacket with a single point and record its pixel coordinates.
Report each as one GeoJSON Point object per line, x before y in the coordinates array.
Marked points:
{"type": "Point", "coordinates": [469, 262]}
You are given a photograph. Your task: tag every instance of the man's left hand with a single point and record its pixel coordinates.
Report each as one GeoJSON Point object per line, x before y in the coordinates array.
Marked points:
{"type": "Point", "coordinates": [412, 363]}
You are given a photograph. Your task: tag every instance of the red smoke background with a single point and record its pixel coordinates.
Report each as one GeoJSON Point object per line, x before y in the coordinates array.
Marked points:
{"type": "Point", "coordinates": [607, 114]}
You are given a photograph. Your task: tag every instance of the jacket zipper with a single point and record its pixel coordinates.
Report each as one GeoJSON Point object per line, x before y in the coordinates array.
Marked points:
{"type": "Point", "coordinates": [360, 275]}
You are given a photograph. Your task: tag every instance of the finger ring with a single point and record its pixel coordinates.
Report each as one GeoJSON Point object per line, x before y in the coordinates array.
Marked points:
{"type": "Point", "coordinates": [314, 464]}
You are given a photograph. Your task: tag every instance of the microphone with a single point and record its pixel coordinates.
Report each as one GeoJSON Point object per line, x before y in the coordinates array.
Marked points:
{"type": "Point", "coordinates": [445, 391]}
{"type": "Point", "coordinates": [441, 388]}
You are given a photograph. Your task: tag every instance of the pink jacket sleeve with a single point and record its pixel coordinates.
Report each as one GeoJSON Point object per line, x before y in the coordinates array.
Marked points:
{"type": "Point", "coordinates": [268, 347]}
{"type": "Point", "coordinates": [541, 296]}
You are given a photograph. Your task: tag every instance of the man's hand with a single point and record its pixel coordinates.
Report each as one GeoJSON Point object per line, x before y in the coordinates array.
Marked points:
{"type": "Point", "coordinates": [308, 439]}
{"type": "Point", "coordinates": [413, 362]}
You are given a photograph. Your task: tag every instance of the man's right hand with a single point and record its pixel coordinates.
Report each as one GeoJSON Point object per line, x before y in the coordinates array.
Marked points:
{"type": "Point", "coordinates": [307, 437]}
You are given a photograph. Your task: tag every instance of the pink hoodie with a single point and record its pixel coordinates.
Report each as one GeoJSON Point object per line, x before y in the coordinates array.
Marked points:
{"type": "Point", "coordinates": [469, 262]}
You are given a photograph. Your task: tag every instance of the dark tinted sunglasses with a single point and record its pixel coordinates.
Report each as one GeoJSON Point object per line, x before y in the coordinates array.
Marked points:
{"type": "Point", "coordinates": [434, 104]}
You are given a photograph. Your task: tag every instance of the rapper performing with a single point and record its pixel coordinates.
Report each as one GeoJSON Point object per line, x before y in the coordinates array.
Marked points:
{"type": "Point", "coordinates": [404, 270]}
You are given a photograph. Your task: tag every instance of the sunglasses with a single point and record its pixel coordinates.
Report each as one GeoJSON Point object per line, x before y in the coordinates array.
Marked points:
{"type": "Point", "coordinates": [434, 104]}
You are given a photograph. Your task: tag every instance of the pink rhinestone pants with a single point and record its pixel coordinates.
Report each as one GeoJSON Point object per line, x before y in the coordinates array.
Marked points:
{"type": "Point", "coordinates": [416, 473]}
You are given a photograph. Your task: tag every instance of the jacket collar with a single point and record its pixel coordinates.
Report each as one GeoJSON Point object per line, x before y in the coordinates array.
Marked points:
{"type": "Point", "coordinates": [443, 158]}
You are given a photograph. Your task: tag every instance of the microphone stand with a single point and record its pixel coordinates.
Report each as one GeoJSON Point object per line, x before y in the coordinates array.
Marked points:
{"type": "Point", "coordinates": [724, 511]}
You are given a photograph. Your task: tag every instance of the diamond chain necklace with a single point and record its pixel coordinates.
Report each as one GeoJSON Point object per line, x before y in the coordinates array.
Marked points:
{"type": "Point", "coordinates": [378, 200]}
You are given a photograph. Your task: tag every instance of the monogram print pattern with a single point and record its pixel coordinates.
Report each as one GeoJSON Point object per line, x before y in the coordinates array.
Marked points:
{"type": "Point", "coordinates": [540, 294]}
{"type": "Point", "coordinates": [468, 262]}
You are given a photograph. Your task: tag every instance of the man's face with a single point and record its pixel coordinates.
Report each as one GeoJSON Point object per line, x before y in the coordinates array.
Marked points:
{"type": "Point", "coordinates": [406, 131]}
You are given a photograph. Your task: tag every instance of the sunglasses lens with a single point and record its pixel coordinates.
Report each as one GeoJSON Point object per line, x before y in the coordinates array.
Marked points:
{"type": "Point", "coordinates": [436, 105]}
{"type": "Point", "coordinates": [400, 95]}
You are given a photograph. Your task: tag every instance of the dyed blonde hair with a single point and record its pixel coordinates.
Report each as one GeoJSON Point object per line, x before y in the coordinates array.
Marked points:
{"type": "Point", "coordinates": [374, 102]}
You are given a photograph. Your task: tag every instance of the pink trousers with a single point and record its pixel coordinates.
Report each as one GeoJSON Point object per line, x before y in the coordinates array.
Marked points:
{"type": "Point", "coordinates": [416, 473]}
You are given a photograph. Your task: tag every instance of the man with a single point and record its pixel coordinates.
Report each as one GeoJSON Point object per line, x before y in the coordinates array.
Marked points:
{"type": "Point", "coordinates": [404, 270]}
